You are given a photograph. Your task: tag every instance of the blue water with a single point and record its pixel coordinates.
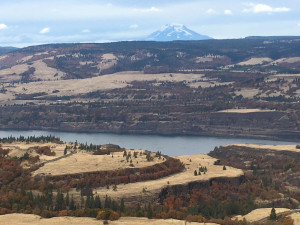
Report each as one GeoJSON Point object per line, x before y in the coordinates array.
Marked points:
{"type": "Point", "coordinates": [169, 145]}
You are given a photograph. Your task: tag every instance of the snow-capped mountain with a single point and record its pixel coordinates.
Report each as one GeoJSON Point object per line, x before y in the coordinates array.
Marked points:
{"type": "Point", "coordinates": [172, 32]}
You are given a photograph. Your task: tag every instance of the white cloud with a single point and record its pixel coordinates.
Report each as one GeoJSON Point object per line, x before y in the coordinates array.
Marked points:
{"type": "Point", "coordinates": [153, 9]}
{"type": "Point", "coordinates": [263, 8]}
{"type": "Point", "coordinates": [133, 26]}
{"type": "Point", "coordinates": [3, 26]}
{"type": "Point", "coordinates": [211, 11]}
{"type": "Point", "coordinates": [45, 30]}
{"type": "Point", "coordinates": [227, 12]}
{"type": "Point", "coordinates": [86, 31]}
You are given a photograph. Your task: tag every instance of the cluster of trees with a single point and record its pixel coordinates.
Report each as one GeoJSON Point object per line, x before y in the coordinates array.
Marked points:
{"type": "Point", "coordinates": [40, 139]}
{"type": "Point", "coordinates": [50, 204]}
{"type": "Point", "coordinates": [266, 172]}
{"type": "Point", "coordinates": [201, 170]}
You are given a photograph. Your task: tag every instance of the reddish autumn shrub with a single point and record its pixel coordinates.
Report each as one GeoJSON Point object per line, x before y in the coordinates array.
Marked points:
{"type": "Point", "coordinates": [45, 150]}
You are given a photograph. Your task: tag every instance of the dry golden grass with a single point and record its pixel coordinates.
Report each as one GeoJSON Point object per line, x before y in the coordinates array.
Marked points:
{"type": "Point", "coordinates": [291, 148]}
{"type": "Point", "coordinates": [247, 92]}
{"type": "Point", "coordinates": [86, 162]}
{"type": "Point", "coordinates": [296, 218]}
{"type": "Point", "coordinates": [105, 82]}
{"type": "Point", "coordinates": [82, 86]}
{"type": "Point", "coordinates": [44, 72]}
{"type": "Point", "coordinates": [255, 61]}
{"type": "Point", "coordinates": [27, 219]}
{"type": "Point", "coordinates": [108, 61]}
{"type": "Point", "coordinates": [286, 60]}
{"type": "Point", "coordinates": [244, 110]}
{"type": "Point", "coordinates": [20, 148]}
{"type": "Point", "coordinates": [258, 214]}
{"type": "Point", "coordinates": [140, 190]}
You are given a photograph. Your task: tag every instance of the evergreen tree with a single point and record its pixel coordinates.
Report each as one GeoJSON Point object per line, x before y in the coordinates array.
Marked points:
{"type": "Point", "coordinates": [273, 215]}
{"type": "Point", "coordinates": [92, 203]}
{"type": "Point", "coordinates": [59, 203]}
{"type": "Point", "coordinates": [65, 151]}
{"type": "Point", "coordinates": [88, 202]}
{"type": "Point", "coordinates": [67, 199]}
{"type": "Point", "coordinates": [72, 204]}
{"type": "Point", "coordinates": [107, 202]}
{"type": "Point", "coordinates": [114, 206]}
{"type": "Point", "coordinates": [224, 167]}
{"type": "Point", "coordinates": [97, 202]}
{"type": "Point", "coordinates": [149, 212]}
{"type": "Point", "coordinates": [122, 205]}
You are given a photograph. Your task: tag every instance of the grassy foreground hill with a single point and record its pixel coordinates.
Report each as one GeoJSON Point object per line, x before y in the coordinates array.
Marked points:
{"type": "Point", "coordinates": [50, 178]}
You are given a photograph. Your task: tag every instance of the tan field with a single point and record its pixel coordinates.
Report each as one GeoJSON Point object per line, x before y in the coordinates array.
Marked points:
{"type": "Point", "coordinates": [291, 148]}
{"type": "Point", "coordinates": [44, 72]}
{"type": "Point", "coordinates": [255, 61]}
{"type": "Point", "coordinates": [27, 219]}
{"type": "Point", "coordinates": [81, 161]}
{"type": "Point", "coordinates": [244, 110]}
{"type": "Point", "coordinates": [20, 148]}
{"type": "Point", "coordinates": [259, 214]}
{"type": "Point", "coordinates": [296, 218]}
{"type": "Point", "coordinates": [286, 60]}
{"type": "Point", "coordinates": [247, 92]}
{"type": "Point", "coordinates": [86, 162]}
{"type": "Point", "coordinates": [141, 190]}
{"type": "Point", "coordinates": [49, 84]}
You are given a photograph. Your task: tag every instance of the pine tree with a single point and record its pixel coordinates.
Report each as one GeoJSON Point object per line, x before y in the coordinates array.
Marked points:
{"type": "Point", "coordinates": [149, 212]}
{"type": "Point", "coordinates": [72, 204]}
{"type": "Point", "coordinates": [195, 172]}
{"type": "Point", "coordinates": [92, 203]}
{"type": "Point", "coordinates": [67, 199]}
{"type": "Point", "coordinates": [59, 203]}
{"type": "Point", "coordinates": [65, 151]}
{"type": "Point", "coordinates": [122, 205]}
{"type": "Point", "coordinates": [88, 202]}
{"type": "Point", "coordinates": [107, 202]}
{"type": "Point", "coordinates": [224, 167]}
{"type": "Point", "coordinates": [273, 215]}
{"type": "Point", "coordinates": [97, 202]}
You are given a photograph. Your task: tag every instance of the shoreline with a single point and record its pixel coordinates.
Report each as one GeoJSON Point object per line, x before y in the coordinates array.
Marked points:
{"type": "Point", "coordinates": [221, 136]}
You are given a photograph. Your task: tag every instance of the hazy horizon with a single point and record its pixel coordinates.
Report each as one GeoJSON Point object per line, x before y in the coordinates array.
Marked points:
{"type": "Point", "coordinates": [33, 22]}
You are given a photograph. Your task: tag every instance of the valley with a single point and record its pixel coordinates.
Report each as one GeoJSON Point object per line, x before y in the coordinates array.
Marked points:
{"type": "Point", "coordinates": [222, 88]}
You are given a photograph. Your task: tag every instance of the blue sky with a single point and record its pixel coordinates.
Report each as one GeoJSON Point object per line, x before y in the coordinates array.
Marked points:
{"type": "Point", "coordinates": [29, 22]}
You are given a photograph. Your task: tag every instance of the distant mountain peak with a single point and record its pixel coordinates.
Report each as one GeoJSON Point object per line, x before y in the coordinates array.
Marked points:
{"type": "Point", "coordinates": [172, 32]}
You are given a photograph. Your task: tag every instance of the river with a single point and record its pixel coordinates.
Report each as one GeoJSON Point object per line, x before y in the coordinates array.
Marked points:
{"type": "Point", "coordinates": [169, 145]}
